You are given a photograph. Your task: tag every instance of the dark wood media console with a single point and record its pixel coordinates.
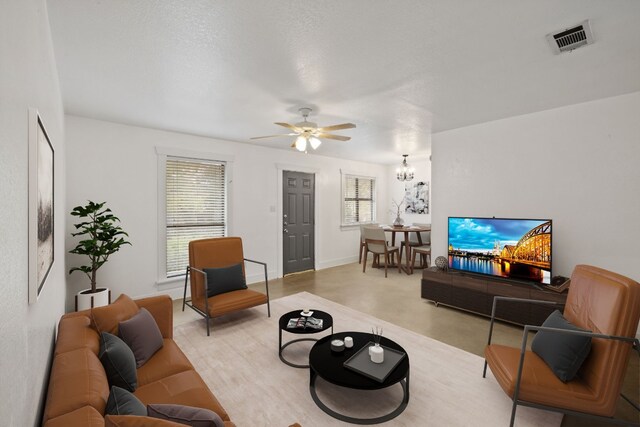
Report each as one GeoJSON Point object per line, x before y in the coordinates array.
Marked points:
{"type": "Point", "coordinates": [475, 293]}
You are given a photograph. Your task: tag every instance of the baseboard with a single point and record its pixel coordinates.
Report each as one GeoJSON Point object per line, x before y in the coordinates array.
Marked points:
{"type": "Point", "coordinates": [336, 262]}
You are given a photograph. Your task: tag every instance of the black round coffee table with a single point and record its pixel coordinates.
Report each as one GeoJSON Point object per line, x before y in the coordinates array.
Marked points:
{"type": "Point", "coordinates": [330, 366]}
{"type": "Point", "coordinates": [327, 322]}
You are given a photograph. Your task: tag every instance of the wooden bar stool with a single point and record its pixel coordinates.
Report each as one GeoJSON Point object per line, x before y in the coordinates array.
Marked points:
{"type": "Point", "coordinates": [425, 256]}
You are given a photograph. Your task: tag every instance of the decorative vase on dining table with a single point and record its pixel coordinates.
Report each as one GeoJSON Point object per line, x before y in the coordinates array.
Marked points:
{"type": "Point", "coordinates": [398, 222]}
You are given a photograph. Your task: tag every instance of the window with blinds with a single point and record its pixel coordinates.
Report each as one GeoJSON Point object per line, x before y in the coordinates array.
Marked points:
{"type": "Point", "coordinates": [359, 204]}
{"type": "Point", "coordinates": [195, 207]}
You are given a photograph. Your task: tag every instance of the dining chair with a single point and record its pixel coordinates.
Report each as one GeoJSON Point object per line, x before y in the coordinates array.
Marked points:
{"type": "Point", "coordinates": [375, 243]}
{"type": "Point", "coordinates": [362, 243]}
{"type": "Point", "coordinates": [425, 256]}
{"type": "Point", "coordinates": [418, 238]}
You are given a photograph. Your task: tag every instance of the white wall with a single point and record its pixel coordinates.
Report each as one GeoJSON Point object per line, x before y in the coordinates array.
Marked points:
{"type": "Point", "coordinates": [578, 165]}
{"type": "Point", "coordinates": [118, 164]}
{"type": "Point", "coordinates": [28, 78]}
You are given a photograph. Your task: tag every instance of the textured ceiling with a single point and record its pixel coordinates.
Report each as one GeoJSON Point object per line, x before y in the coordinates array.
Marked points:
{"type": "Point", "coordinates": [399, 70]}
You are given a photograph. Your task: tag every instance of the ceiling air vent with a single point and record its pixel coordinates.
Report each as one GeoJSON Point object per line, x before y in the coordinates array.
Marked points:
{"type": "Point", "coordinates": [571, 38]}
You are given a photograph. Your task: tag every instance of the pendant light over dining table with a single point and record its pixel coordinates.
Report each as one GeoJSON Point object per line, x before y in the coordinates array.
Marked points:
{"type": "Point", "coordinates": [405, 172]}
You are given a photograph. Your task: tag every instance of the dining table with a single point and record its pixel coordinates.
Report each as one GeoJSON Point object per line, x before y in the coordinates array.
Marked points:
{"type": "Point", "coordinates": [406, 229]}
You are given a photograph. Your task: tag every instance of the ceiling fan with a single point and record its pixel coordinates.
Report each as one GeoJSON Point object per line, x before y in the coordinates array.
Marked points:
{"type": "Point", "coordinates": [309, 133]}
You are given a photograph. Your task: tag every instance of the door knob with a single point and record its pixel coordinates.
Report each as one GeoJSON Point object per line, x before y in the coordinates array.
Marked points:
{"type": "Point", "coordinates": [285, 223]}
{"type": "Point", "coordinates": [285, 230]}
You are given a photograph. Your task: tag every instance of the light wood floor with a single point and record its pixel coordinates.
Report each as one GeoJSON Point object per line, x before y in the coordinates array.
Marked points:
{"type": "Point", "coordinates": [397, 300]}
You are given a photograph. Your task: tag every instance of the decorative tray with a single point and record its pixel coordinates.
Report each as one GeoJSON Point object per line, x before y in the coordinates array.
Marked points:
{"type": "Point", "coordinates": [362, 364]}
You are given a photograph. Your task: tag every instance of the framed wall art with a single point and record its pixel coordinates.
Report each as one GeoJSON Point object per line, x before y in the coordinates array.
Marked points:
{"type": "Point", "coordinates": [417, 198]}
{"type": "Point", "coordinates": [41, 204]}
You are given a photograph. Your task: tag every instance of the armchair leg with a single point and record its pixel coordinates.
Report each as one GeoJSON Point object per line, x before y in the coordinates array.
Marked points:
{"type": "Point", "coordinates": [484, 371]}
{"type": "Point", "coordinates": [513, 412]}
{"type": "Point", "coordinates": [184, 295]}
{"type": "Point", "coordinates": [360, 255]}
{"type": "Point", "coordinates": [207, 319]}
{"type": "Point", "coordinates": [364, 263]}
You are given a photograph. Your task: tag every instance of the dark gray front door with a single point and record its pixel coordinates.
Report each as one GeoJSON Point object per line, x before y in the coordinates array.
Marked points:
{"type": "Point", "coordinates": [298, 221]}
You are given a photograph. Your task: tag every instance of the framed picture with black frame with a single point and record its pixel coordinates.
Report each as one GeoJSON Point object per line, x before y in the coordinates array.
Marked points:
{"type": "Point", "coordinates": [41, 205]}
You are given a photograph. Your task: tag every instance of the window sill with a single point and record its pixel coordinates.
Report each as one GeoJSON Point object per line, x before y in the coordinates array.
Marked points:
{"type": "Point", "coordinates": [347, 227]}
{"type": "Point", "coordinates": [170, 282]}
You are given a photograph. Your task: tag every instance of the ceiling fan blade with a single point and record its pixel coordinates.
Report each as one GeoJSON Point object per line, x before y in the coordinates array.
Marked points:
{"type": "Point", "coordinates": [330, 136]}
{"type": "Point", "coordinates": [292, 127]}
{"type": "Point", "coordinates": [337, 127]}
{"type": "Point", "coordinates": [273, 136]}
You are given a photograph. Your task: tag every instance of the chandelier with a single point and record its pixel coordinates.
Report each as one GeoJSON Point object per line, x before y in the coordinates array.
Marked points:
{"type": "Point", "coordinates": [404, 172]}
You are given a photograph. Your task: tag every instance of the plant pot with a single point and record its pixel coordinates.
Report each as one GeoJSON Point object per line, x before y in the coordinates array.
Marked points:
{"type": "Point", "coordinates": [86, 300]}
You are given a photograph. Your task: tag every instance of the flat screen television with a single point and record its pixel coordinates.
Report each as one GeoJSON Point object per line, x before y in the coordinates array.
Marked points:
{"type": "Point", "coordinates": [504, 247]}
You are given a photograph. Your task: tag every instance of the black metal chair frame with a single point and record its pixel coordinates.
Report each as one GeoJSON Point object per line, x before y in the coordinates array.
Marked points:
{"type": "Point", "coordinates": [206, 300]}
{"type": "Point", "coordinates": [525, 335]}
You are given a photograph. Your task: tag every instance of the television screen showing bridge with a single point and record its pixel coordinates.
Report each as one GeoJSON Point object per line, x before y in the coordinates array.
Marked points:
{"type": "Point", "coordinates": [514, 248]}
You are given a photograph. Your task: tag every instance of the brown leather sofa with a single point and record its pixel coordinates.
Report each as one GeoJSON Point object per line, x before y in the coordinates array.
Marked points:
{"type": "Point", "coordinates": [78, 388]}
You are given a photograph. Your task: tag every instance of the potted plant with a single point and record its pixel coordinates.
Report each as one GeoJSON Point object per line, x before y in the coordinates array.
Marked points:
{"type": "Point", "coordinates": [101, 236]}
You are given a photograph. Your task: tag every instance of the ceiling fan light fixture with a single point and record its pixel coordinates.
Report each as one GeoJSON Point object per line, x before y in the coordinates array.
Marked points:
{"type": "Point", "coordinates": [405, 172]}
{"type": "Point", "coordinates": [315, 142]}
{"type": "Point", "coordinates": [301, 143]}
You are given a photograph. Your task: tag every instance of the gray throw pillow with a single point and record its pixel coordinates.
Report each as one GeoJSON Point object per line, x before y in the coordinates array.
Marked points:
{"type": "Point", "coordinates": [226, 279]}
{"type": "Point", "coordinates": [563, 353]}
{"type": "Point", "coordinates": [118, 361]}
{"type": "Point", "coordinates": [122, 402]}
{"type": "Point", "coordinates": [142, 335]}
{"type": "Point", "coordinates": [189, 415]}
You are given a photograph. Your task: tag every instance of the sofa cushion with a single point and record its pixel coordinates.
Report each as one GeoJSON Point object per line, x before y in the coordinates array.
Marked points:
{"type": "Point", "coordinates": [107, 318]}
{"type": "Point", "coordinates": [85, 416]}
{"type": "Point", "coordinates": [229, 302]}
{"type": "Point", "coordinates": [184, 388]}
{"type": "Point", "coordinates": [167, 361]}
{"type": "Point", "coordinates": [142, 335]}
{"type": "Point", "coordinates": [563, 353]}
{"type": "Point", "coordinates": [161, 308]}
{"type": "Point", "coordinates": [225, 279]}
{"type": "Point", "coordinates": [77, 379]}
{"type": "Point", "coordinates": [189, 415]}
{"type": "Point", "coordinates": [137, 421]}
{"type": "Point", "coordinates": [76, 332]}
{"type": "Point", "coordinates": [123, 402]}
{"type": "Point", "coordinates": [119, 362]}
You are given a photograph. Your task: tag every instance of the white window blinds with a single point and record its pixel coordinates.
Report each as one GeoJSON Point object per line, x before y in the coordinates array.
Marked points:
{"type": "Point", "coordinates": [196, 207]}
{"type": "Point", "coordinates": [358, 199]}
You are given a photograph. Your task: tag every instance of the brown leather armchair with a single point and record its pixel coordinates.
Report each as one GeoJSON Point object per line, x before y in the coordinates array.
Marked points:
{"type": "Point", "coordinates": [600, 301]}
{"type": "Point", "coordinates": [217, 253]}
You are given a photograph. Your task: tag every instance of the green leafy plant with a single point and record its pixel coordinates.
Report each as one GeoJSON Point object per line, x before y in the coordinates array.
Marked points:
{"type": "Point", "coordinates": [102, 236]}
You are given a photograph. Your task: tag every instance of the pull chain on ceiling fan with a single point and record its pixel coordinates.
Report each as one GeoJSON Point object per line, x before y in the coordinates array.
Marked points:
{"type": "Point", "coordinates": [308, 133]}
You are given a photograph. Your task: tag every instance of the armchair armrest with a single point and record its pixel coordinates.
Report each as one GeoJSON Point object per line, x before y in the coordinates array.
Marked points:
{"type": "Point", "coordinates": [266, 279]}
{"type": "Point", "coordinates": [161, 308]}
